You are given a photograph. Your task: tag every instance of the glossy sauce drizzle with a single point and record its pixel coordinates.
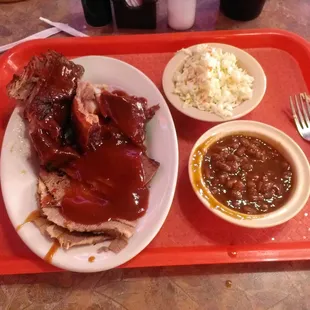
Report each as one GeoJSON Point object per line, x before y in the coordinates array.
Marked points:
{"type": "Point", "coordinates": [115, 185]}
{"type": "Point", "coordinates": [31, 217]}
{"type": "Point", "coordinates": [49, 255]}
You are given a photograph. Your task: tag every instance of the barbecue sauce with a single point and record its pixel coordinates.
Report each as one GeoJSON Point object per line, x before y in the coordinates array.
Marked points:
{"type": "Point", "coordinates": [48, 106]}
{"type": "Point", "coordinates": [31, 217]}
{"type": "Point", "coordinates": [127, 112]}
{"type": "Point", "coordinates": [49, 255]}
{"type": "Point", "coordinates": [108, 183]}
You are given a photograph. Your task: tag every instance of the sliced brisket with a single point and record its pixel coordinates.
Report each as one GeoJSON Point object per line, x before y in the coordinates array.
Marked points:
{"type": "Point", "coordinates": [68, 239]}
{"type": "Point", "coordinates": [113, 228]}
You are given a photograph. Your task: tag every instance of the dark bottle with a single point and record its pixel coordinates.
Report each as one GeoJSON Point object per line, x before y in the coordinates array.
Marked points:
{"type": "Point", "coordinates": [97, 12]}
{"type": "Point", "coordinates": [141, 17]}
{"type": "Point", "coordinates": [242, 9]}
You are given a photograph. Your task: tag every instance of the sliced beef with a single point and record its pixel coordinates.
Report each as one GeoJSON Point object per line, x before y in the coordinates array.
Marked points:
{"type": "Point", "coordinates": [113, 228]}
{"type": "Point", "coordinates": [103, 249]}
{"type": "Point", "coordinates": [67, 239]}
{"type": "Point", "coordinates": [45, 199]}
{"type": "Point", "coordinates": [52, 186]}
{"type": "Point", "coordinates": [42, 223]}
{"type": "Point", "coordinates": [150, 112]}
{"type": "Point", "coordinates": [55, 185]}
{"type": "Point", "coordinates": [115, 246]}
{"type": "Point", "coordinates": [150, 167]}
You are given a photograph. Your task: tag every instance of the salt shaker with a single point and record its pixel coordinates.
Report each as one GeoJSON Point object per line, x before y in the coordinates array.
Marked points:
{"type": "Point", "coordinates": [181, 14]}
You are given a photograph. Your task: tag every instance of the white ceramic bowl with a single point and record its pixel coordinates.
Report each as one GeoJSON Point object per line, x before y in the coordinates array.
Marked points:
{"type": "Point", "coordinates": [287, 147]}
{"type": "Point", "coordinates": [19, 171]}
{"type": "Point", "coordinates": [245, 61]}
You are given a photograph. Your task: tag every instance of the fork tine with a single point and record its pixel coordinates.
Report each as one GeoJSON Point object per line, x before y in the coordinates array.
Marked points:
{"type": "Point", "coordinates": [307, 100]}
{"type": "Point", "coordinates": [303, 104]}
{"type": "Point", "coordinates": [296, 120]}
{"type": "Point", "coordinates": [301, 117]}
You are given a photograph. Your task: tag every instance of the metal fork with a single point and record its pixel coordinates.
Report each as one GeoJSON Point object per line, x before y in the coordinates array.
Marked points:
{"type": "Point", "coordinates": [301, 118]}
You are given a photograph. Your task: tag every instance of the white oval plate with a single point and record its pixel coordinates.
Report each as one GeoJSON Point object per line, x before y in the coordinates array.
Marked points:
{"type": "Point", "coordinates": [19, 171]}
{"type": "Point", "coordinates": [292, 152]}
{"type": "Point", "coordinates": [245, 61]}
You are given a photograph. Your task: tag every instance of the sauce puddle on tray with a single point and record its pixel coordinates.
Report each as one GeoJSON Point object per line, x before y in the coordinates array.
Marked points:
{"type": "Point", "coordinates": [232, 254]}
{"type": "Point", "coordinates": [228, 284]}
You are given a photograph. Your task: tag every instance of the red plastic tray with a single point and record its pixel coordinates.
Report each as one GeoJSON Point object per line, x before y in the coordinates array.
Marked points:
{"type": "Point", "coordinates": [191, 234]}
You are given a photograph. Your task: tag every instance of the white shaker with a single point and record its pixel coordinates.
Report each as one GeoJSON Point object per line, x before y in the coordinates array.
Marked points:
{"type": "Point", "coordinates": [181, 14]}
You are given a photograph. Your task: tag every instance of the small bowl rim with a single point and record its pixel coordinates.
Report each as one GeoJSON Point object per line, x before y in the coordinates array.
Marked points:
{"type": "Point", "coordinates": [194, 113]}
{"type": "Point", "coordinates": [300, 194]}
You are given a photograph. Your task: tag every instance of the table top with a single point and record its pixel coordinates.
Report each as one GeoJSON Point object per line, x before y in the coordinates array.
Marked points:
{"type": "Point", "coordinates": [269, 285]}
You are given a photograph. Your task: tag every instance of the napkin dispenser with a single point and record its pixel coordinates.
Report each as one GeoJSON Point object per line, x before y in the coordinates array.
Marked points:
{"type": "Point", "coordinates": [135, 17]}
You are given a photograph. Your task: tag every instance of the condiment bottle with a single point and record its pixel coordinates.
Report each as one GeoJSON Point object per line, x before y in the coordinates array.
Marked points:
{"type": "Point", "coordinates": [181, 14]}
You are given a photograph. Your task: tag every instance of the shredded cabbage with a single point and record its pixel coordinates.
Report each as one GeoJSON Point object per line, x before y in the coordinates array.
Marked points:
{"type": "Point", "coordinates": [211, 80]}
